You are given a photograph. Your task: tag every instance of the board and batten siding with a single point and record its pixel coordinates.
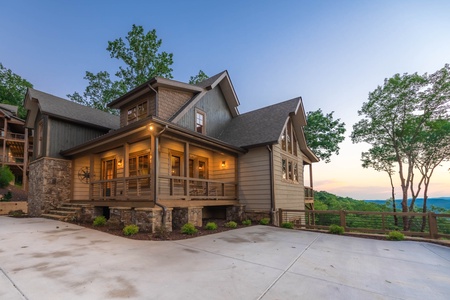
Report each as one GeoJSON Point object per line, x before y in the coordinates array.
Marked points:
{"type": "Point", "coordinates": [80, 189]}
{"type": "Point", "coordinates": [254, 179]}
{"type": "Point", "coordinates": [216, 111]}
{"type": "Point", "coordinates": [65, 135]}
{"type": "Point", "coordinates": [288, 194]}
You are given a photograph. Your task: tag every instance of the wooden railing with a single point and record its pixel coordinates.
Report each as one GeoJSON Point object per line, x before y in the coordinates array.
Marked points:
{"type": "Point", "coordinates": [136, 187]}
{"type": "Point", "coordinates": [177, 187]}
{"type": "Point", "coordinates": [13, 136]}
{"type": "Point", "coordinates": [429, 225]}
{"type": "Point", "coordinates": [309, 194]}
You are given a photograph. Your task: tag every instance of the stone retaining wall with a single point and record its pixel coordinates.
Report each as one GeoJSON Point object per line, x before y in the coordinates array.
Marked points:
{"type": "Point", "coordinates": [148, 219]}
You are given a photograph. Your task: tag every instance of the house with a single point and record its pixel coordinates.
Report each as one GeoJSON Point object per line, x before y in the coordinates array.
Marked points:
{"type": "Point", "coordinates": [177, 153]}
{"type": "Point", "coordinates": [15, 143]}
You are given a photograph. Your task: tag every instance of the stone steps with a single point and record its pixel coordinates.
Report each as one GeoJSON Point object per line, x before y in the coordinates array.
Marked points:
{"type": "Point", "coordinates": [64, 212]}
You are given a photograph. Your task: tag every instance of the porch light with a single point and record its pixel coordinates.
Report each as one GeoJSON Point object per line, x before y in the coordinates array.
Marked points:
{"type": "Point", "coordinates": [120, 162]}
{"type": "Point", "coordinates": [223, 164]}
{"type": "Point", "coordinates": [151, 127]}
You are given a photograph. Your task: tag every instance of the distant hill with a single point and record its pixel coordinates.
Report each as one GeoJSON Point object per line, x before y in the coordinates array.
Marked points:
{"type": "Point", "coordinates": [443, 202]}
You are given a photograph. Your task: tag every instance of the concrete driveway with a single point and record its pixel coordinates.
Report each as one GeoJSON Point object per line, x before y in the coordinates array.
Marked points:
{"type": "Point", "coordinates": [45, 259]}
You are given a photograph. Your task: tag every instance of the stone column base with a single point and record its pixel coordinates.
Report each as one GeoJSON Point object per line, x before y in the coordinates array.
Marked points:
{"type": "Point", "coordinates": [183, 215]}
{"type": "Point", "coordinates": [236, 213]}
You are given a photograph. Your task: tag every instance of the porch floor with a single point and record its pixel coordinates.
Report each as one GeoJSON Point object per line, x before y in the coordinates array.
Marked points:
{"type": "Point", "coordinates": [150, 204]}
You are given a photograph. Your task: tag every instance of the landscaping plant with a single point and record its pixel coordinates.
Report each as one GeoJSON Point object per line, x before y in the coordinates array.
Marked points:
{"type": "Point", "coordinates": [247, 222]}
{"type": "Point", "coordinates": [6, 176]}
{"type": "Point", "coordinates": [395, 236]}
{"type": "Point", "coordinates": [336, 229]}
{"type": "Point", "coordinates": [189, 228]}
{"type": "Point", "coordinates": [211, 226]}
{"type": "Point", "coordinates": [231, 224]}
{"type": "Point", "coordinates": [288, 225]}
{"type": "Point", "coordinates": [264, 221]}
{"type": "Point", "coordinates": [130, 229]}
{"type": "Point", "coordinates": [99, 221]}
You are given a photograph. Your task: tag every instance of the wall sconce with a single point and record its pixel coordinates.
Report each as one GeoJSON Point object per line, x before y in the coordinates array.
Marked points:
{"type": "Point", "coordinates": [223, 164]}
{"type": "Point", "coordinates": [151, 127]}
{"type": "Point", "coordinates": [120, 163]}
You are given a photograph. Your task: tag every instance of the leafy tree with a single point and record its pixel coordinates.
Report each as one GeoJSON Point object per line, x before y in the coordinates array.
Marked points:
{"type": "Point", "coordinates": [139, 53]}
{"type": "Point", "coordinates": [395, 117]}
{"type": "Point", "coordinates": [323, 134]}
{"type": "Point", "coordinates": [198, 78]}
{"type": "Point", "coordinates": [13, 89]}
{"type": "Point", "coordinates": [6, 176]}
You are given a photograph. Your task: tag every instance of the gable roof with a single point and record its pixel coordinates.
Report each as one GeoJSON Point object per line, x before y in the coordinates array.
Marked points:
{"type": "Point", "coordinates": [69, 110]}
{"type": "Point", "coordinates": [11, 109]}
{"type": "Point", "coordinates": [259, 127]}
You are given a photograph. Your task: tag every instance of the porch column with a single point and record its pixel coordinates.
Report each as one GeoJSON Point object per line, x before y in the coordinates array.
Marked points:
{"type": "Point", "coordinates": [186, 168]}
{"type": "Point", "coordinates": [154, 144]}
{"type": "Point", "coordinates": [126, 168]}
{"type": "Point", "coordinates": [310, 176]}
{"type": "Point", "coordinates": [25, 161]}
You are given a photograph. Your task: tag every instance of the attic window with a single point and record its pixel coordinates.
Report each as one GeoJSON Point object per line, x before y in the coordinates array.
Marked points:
{"type": "Point", "coordinates": [288, 139]}
{"type": "Point", "coordinates": [200, 121]}
{"type": "Point", "coordinates": [137, 112]}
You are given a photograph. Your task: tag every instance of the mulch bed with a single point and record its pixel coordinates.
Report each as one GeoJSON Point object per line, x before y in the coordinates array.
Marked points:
{"type": "Point", "coordinates": [17, 193]}
{"type": "Point", "coordinates": [171, 236]}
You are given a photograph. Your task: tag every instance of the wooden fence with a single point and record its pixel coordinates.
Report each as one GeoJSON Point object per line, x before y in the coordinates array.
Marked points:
{"type": "Point", "coordinates": [429, 225]}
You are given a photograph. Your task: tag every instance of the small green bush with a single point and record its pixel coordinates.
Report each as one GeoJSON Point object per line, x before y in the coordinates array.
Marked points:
{"type": "Point", "coordinates": [6, 176]}
{"type": "Point", "coordinates": [231, 224]}
{"type": "Point", "coordinates": [99, 221]}
{"type": "Point", "coordinates": [288, 225]}
{"type": "Point", "coordinates": [395, 236]}
{"type": "Point", "coordinates": [188, 228]}
{"type": "Point", "coordinates": [16, 213]}
{"type": "Point", "coordinates": [130, 229]}
{"type": "Point", "coordinates": [336, 229]}
{"type": "Point", "coordinates": [7, 196]}
{"type": "Point", "coordinates": [247, 222]}
{"type": "Point", "coordinates": [211, 226]}
{"type": "Point", "coordinates": [264, 221]}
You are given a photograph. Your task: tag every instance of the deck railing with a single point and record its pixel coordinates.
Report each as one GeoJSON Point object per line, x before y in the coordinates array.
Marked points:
{"type": "Point", "coordinates": [429, 225]}
{"type": "Point", "coordinates": [136, 187]}
{"type": "Point", "coordinates": [309, 194]}
{"type": "Point", "coordinates": [13, 136]}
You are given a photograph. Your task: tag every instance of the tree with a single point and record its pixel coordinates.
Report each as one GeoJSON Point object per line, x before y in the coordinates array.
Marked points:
{"type": "Point", "coordinates": [142, 61]}
{"type": "Point", "coordinates": [198, 78]}
{"type": "Point", "coordinates": [6, 176]}
{"type": "Point", "coordinates": [395, 116]}
{"type": "Point", "coordinates": [323, 134]}
{"type": "Point", "coordinates": [13, 89]}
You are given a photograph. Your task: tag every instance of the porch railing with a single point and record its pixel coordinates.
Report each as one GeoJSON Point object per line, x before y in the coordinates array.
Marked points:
{"type": "Point", "coordinates": [177, 187]}
{"type": "Point", "coordinates": [14, 136]}
{"type": "Point", "coordinates": [309, 194]}
{"type": "Point", "coordinates": [136, 187]}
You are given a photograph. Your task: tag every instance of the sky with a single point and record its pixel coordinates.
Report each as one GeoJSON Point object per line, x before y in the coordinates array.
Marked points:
{"type": "Point", "coordinates": [331, 53]}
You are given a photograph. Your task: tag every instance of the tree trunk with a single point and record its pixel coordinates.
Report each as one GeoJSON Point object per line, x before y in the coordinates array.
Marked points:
{"type": "Point", "coordinates": [394, 206]}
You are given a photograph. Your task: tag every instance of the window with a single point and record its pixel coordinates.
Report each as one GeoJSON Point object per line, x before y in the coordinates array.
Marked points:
{"type": "Point", "coordinates": [296, 172]}
{"type": "Point", "coordinates": [40, 132]}
{"type": "Point", "coordinates": [200, 122]}
{"type": "Point", "coordinates": [283, 140]}
{"type": "Point", "coordinates": [288, 139]}
{"type": "Point", "coordinates": [139, 164]}
{"type": "Point", "coordinates": [290, 170]}
{"type": "Point", "coordinates": [176, 165]}
{"type": "Point", "coordinates": [137, 112]}
{"type": "Point", "coordinates": [283, 168]}
{"type": "Point", "coordinates": [198, 167]}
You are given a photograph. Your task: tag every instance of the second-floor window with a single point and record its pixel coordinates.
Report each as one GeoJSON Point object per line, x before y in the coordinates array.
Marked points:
{"type": "Point", "coordinates": [200, 122]}
{"type": "Point", "coordinates": [288, 140]}
{"type": "Point", "coordinates": [40, 133]}
{"type": "Point", "coordinates": [137, 112]}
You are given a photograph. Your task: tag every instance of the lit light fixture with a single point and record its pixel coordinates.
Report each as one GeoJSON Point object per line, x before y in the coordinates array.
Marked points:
{"type": "Point", "coordinates": [151, 127]}
{"type": "Point", "coordinates": [223, 164]}
{"type": "Point", "coordinates": [120, 162]}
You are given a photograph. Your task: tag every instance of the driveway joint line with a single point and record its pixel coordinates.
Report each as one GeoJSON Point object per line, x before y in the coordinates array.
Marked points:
{"type": "Point", "coordinates": [12, 282]}
{"type": "Point", "coordinates": [287, 269]}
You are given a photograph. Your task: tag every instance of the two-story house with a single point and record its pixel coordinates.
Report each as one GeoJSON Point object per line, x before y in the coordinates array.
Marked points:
{"type": "Point", "coordinates": [177, 153]}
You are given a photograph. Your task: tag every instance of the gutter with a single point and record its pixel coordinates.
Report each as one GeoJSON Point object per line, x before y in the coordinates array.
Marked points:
{"type": "Point", "coordinates": [156, 176]}
{"type": "Point", "coordinates": [272, 196]}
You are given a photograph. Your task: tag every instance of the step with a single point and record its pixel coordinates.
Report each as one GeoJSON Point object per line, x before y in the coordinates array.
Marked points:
{"type": "Point", "coordinates": [53, 217]}
{"type": "Point", "coordinates": [69, 208]}
{"type": "Point", "coordinates": [61, 212]}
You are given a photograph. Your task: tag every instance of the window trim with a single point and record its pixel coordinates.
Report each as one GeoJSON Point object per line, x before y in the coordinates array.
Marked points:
{"type": "Point", "coordinates": [199, 112]}
{"type": "Point", "coordinates": [134, 113]}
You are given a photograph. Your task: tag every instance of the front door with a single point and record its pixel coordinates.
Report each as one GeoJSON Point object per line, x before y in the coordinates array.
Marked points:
{"type": "Point", "coordinates": [109, 173]}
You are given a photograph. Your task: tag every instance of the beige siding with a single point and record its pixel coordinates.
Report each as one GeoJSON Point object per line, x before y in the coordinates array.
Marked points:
{"type": "Point", "coordinates": [254, 179]}
{"type": "Point", "coordinates": [170, 101]}
{"type": "Point", "coordinates": [80, 189]}
{"type": "Point", "coordinates": [288, 194]}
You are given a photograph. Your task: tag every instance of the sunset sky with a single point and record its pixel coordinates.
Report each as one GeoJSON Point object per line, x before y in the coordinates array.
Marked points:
{"type": "Point", "coordinates": [332, 53]}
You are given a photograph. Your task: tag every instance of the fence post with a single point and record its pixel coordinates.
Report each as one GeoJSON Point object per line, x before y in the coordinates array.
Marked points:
{"type": "Point", "coordinates": [342, 214]}
{"type": "Point", "coordinates": [280, 217]}
{"type": "Point", "coordinates": [432, 223]}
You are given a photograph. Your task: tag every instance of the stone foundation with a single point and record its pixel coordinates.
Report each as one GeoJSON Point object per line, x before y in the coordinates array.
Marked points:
{"type": "Point", "coordinates": [256, 215]}
{"type": "Point", "coordinates": [49, 184]}
{"type": "Point", "coordinates": [236, 213]}
{"type": "Point", "coordinates": [148, 219]}
{"type": "Point", "coordinates": [183, 215]}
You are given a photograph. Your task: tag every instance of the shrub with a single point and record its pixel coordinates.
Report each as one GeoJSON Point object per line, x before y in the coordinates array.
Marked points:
{"type": "Point", "coordinates": [161, 232]}
{"type": "Point", "coordinates": [130, 229]}
{"type": "Point", "coordinates": [264, 221]}
{"type": "Point", "coordinates": [6, 176]}
{"type": "Point", "coordinates": [99, 221]}
{"type": "Point", "coordinates": [395, 236]}
{"type": "Point", "coordinates": [16, 213]}
{"type": "Point", "coordinates": [7, 196]}
{"type": "Point", "coordinates": [247, 222]}
{"type": "Point", "coordinates": [211, 226]}
{"type": "Point", "coordinates": [188, 228]}
{"type": "Point", "coordinates": [231, 224]}
{"type": "Point", "coordinates": [336, 229]}
{"type": "Point", "coordinates": [288, 225]}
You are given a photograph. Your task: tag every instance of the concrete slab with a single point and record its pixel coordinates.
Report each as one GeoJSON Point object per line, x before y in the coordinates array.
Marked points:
{"type": "Point", "coordinates": [46, 259]}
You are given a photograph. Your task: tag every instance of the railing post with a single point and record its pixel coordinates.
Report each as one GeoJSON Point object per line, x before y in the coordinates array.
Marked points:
{"type": "Point", "coordinates": [342, 214]}
{"type": "Point", "coordinates": [432, 223]}
{"type": "Point", "coordinates": [280, 217]}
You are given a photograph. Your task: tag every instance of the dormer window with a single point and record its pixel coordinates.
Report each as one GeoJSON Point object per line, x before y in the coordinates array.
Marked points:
{"type": "Point", "coordinates": [137, 112]}
{"type": "Point", "coordinates": [200, 119]}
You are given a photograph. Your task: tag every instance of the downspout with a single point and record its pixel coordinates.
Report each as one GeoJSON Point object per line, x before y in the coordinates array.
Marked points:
{"type": "Point", "coordinates": [272, 196]}
{"type": "Point", "coordinates": [156, 175]}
